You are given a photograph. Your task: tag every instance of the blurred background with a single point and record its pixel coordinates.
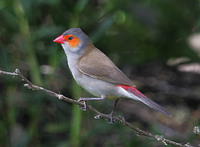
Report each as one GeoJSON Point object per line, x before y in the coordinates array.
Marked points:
{"type": "Point", "coordinates": [156, 43]}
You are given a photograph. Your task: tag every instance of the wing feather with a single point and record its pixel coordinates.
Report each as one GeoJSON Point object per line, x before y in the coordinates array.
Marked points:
{"type": "Point", "coordinates": [97, 65]}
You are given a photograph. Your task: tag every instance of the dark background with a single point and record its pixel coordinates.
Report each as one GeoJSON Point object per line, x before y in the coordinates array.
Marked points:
{"type": "Point", "coordinates": [155, 43]}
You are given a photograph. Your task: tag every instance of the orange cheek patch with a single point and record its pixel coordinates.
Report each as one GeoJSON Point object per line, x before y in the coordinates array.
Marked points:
{"type": "Point", "coordinates": [74, 42]}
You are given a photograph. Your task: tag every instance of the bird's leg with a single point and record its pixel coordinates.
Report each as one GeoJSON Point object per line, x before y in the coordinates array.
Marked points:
{"type": "Point", "coordinates": [112, 112]}
{"type": "Point", "coordinates": [91, 98]}
{"type": "Point", "coordinates": [83, 100]}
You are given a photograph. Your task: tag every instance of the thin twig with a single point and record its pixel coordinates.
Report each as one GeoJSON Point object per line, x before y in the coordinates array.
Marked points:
{"type": "Point", "coordinates": [120, 119]}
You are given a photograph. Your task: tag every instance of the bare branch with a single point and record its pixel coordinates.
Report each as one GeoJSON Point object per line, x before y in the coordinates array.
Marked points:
{"type": "Point", "coordinates": [120, 119]}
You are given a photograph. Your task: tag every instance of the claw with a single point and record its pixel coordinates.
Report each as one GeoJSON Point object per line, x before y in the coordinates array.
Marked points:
{"type": "Point", "coordinates": [112, 112]}
{"type": "Point", "coordinates": [84, 107]}
{"type": "Point", "coordinates": [111, 118]}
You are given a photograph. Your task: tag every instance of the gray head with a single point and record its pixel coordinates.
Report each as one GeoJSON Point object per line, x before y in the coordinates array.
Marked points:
{"type": "Point", "coordinates": [77, 32]}
{"type": "Point", "coordinates": [75, 40]}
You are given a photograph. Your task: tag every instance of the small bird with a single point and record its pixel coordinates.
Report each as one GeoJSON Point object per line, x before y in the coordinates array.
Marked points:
{"type": "Point", "coordinates": [96, 73]}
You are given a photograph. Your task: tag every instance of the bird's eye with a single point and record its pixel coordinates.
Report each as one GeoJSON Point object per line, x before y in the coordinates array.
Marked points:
{"type": "Point", "coordinates": [70, 38]}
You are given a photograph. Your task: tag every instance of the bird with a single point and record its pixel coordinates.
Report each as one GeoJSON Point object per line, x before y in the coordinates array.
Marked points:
{"type": "Point", "coordinates": [97, 74]}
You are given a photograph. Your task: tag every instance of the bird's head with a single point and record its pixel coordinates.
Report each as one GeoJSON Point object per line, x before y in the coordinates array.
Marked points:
{"type": "Point", "coordinates": [73, 40]}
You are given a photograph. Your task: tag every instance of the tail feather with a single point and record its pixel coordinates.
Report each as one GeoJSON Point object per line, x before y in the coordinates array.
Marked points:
{"type": "Point", "coordinates": [141, 97]}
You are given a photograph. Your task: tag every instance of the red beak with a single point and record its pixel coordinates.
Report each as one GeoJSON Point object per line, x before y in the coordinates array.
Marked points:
{"type": "Point", "coordinates": [59, 39]}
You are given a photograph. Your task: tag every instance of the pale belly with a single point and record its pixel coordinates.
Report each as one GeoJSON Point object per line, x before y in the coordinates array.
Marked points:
{"type": "Point", "coordinates": [97, 87]}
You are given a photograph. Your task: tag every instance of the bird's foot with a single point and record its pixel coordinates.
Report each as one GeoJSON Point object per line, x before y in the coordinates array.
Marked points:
{"type": "Point", "coordinates": [111, 118]}
{"type": "Point", "coordinates": [84, 106]}
{"type": "Point", "coordinates": [83, 100]}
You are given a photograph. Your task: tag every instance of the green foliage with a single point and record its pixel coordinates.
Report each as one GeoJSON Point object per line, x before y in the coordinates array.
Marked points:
{"type": "Point", "coordinates": [130, 32]}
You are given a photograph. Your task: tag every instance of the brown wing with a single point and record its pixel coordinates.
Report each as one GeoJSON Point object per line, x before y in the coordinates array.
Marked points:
{"type": "Point", "coordinates": [97, 65]}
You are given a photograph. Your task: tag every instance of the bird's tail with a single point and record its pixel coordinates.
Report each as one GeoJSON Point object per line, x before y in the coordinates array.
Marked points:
{"type": "Point", "coordinates": [135, 94]}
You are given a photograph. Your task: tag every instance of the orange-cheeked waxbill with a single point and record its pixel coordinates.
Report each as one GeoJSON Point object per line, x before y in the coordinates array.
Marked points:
{"type": "Point", "coordinates": [96, 73]}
